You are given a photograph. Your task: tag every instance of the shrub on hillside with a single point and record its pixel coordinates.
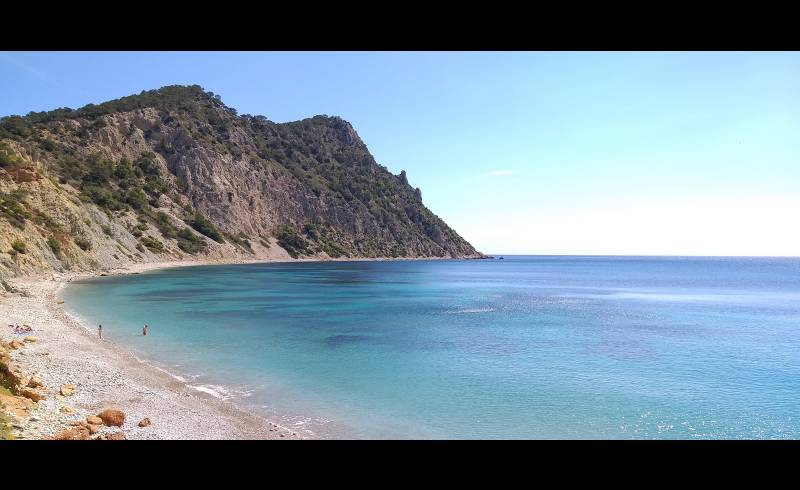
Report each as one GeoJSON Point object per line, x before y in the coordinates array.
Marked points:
{"type": "Point", "coordinates": [292, 242]}
{"type": "Point", "coordinates": [189, 242]}
{"type": "Point", "coordinates": [8, 158]}
{"type": "Point", "coordinates": [206, 227]}
{"type": "Point", "coordinates": [153, 244]}
{"type": "Point", "coordinates": [19, 246]}
{"type": "Point", "coordinates": [54, 244]}
{"type": "Point", "coordinates": [83, 243]}
{"type": "Point", "coordinates": [12, 209]}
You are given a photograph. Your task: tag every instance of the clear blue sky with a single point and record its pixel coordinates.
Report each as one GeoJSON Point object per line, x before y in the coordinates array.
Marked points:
{"type": "Point", "coordinates": [627, 153]}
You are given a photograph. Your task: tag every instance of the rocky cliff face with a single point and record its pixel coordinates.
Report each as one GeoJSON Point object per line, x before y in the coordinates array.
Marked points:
{"type": "Point", "coordinates": [173, 173]}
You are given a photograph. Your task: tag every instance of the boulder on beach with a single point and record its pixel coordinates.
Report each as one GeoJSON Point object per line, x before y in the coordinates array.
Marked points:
{"type": "Point", "coordinates": [73, 434]}
{"type": "Point", "coordinates": [116, 436]}
{"type": "Point", "coordinates": [15, 344]}
{"type": "Point", "coordinates": [93, 429]}
{"type": "Point", "coordinates": [94, 420]}
{"type": "Point", "coordinates": [30, 338]}
{"type": "Point", "coordinates": [144, 422]}
{"type": "Point", "coordinates": [67, 390]}
{"type": "Point", "coordinates": [31, 394]}
{"type": "Point", "coordinates": [112, 416]}
{"type": "Point", "coordinates": [67, 409]}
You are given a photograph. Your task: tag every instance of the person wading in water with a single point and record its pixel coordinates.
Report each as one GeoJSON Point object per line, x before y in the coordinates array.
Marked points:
{"type": "Point", "coordinates": [144, 330]}
{"type": "Point", "coordinates": [100, 331]}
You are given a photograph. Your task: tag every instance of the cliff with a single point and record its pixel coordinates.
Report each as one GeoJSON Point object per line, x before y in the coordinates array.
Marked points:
{"type": "Point", "coordinates": [174, 173]}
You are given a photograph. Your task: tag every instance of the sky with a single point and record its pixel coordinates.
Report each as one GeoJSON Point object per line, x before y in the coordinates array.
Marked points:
{"type": "Point", "coordinates": [609, 153]}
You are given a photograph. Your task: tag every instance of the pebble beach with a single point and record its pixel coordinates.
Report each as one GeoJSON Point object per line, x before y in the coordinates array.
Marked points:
{"type": "Point", "coordinates": [61, 354]}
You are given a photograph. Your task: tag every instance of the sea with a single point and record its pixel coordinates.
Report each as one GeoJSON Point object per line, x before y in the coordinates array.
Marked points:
{"type": "Point", "coordinates": [527, 347]}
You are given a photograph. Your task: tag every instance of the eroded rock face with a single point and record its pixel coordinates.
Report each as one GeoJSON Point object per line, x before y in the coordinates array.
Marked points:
{"type": "Point", "coordinates": [107, 170]}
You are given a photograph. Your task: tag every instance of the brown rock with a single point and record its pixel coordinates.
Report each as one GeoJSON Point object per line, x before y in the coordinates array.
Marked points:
{"type": "Point", "coordinates": [67, 390]}
{"type": "Point", "coordinates": [34, 382]}
{"type": "Point", "coordinates": [25, 174]}
{"type": "Point", "coordinates": [15, 344]}
{"type": "Point", "coordinates": [144, 422]}
{"type": "Point", "coordinates": [74, 434]}
{"type": "Point", "coordinates": [93, 429]}
{"type": "Point", "coordinates": [94, 420]}
{"type": "Point", "coordinates": [112, 416]}
{"type": "Point", "coordinates": [116, 436]}
{"type": "Point", "coordinates": [67, 409]}
{"type": "Point", "coordinates": [31, 394]}
{"type": "Point", "coordinates": [15, 376]}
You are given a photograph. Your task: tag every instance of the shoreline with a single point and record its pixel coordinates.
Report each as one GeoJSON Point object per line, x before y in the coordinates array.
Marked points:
{"type": "Point", "coordinates": [107, 374]}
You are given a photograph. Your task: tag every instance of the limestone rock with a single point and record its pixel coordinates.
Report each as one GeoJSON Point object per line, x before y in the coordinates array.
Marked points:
{"type": "Point", "coordinates": [30, 338]}
{"type": "Point", "coordinates": [67, 390]}
{"type": "Point", "coordinates": [94, 420]}
{"type": "Point", "coordinates": [34, 382]}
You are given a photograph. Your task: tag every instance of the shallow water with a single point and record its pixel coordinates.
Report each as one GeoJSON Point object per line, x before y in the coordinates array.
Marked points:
{"type": "Point", "coordinates": [526, 347]}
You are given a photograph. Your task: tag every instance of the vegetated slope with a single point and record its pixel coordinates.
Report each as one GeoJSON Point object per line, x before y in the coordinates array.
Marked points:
{"type": "Point", "coordinates": [174, 173]}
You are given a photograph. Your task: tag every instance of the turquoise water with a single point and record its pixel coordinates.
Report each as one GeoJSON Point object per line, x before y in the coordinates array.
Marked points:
{"type": "Point", "coordinates": [526, 347]}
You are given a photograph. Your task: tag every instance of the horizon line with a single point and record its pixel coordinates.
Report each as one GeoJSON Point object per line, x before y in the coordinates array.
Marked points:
{"type": "Point", "coordinates": [644, 255]}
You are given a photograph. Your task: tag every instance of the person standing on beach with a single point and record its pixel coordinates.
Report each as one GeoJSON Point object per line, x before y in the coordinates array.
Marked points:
{"type": "Point", "coordinates": [100, 331]}
{"type": "Point", "coordinates": [144, 330]}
